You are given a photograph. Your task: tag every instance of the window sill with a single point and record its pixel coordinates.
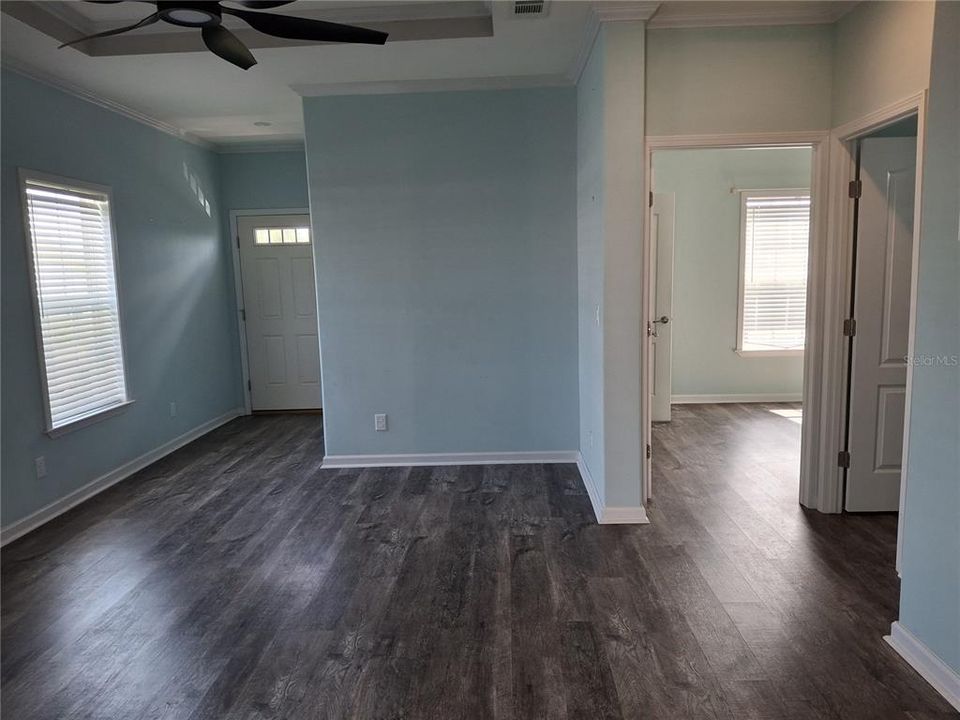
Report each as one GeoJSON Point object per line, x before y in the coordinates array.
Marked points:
{"type": "Point", "coordinates": [769, 353]}
{"type": "Point", "coordinates": [89, 419]}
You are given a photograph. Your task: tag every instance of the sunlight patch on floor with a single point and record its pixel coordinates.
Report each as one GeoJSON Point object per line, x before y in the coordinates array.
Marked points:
{"type": "Point", "coordinates": [791, 414]}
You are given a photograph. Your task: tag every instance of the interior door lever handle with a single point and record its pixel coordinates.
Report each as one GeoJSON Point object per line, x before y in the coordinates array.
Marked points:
{"type": "Point", "coordinates": [663, 320]}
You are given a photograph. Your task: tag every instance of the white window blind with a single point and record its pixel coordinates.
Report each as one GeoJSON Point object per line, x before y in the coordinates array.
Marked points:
{"type": "Point", "coordinates": [72, 254]}
{"type": "Point", "coordinates": [775, 237]}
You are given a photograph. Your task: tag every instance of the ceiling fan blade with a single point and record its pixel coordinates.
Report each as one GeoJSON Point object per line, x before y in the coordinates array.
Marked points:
{"type": "Point", "coordinates": [149, 20]}
{"type": "Point", "coordinates": [224, 43]}
{"type": "Point", "coordinates": [263, 4]}
{"type": "Point", "coordinates": [295, 28]}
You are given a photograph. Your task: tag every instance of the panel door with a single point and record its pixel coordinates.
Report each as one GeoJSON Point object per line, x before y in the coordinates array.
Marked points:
{"type": "Point", "coordinates": [280, 304]}
{"type": "Point", "coordinates": [882, 312]}
{"type": "Point", "coordinates": [661, 251]}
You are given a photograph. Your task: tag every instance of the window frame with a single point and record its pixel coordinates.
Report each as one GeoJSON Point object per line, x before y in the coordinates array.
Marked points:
{"type": "Point", "coordinates": [741, 287]}
{"type": "Point", "coordinates": [25, 176]}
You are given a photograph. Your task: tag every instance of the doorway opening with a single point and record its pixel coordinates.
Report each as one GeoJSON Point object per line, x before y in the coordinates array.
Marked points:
{"type": "Point", "coordinates": [878, 329]}
{"type": "Point", "coordinates": [730, 231]}
{"type": "Point", "coordinates": [277, 307]}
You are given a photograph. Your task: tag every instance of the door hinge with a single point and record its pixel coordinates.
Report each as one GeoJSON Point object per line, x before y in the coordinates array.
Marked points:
{"type": "Point", "coordinates": [855, 189]}
{"type": "Point", "coordinates": [843, 459]}
{"type": "Point", "coordinates": [849, 327]}
{"type": "Point", "coordinates": [243, 314]}
{"type": "Point", "coordinates": [249, 385]}
{"type": "Point", "coordinates": [238, 241]}
{"type": "Point", "coordinates": [649, 452]}
{"type": "Point", "coordinates": [650, 201]}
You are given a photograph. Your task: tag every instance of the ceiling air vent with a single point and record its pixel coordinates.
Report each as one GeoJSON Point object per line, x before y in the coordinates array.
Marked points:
{"type": "Point", "coordinates": [529, 8]}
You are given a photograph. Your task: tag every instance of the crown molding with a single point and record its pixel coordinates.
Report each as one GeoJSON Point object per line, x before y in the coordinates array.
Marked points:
{"type": "Point", "coordinates": [587, 39]}
{"type": "Point", "coordinates": [605, 12]}
{"type": "Point", "coordinates": [76, 91]}
{"type": "Point", "coordinates": [773, 15]}
{"type": "Point", "coordinates": [616, 11]}
{"type": "Point", "coordinates": [391, 87]}
{"type": "Point", "coordinates": [240, 148]}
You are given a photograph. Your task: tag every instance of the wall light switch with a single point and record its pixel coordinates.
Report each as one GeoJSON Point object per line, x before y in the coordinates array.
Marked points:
{"type": "Point", "coordinates": [41, 466]}
{"type": "Point", "coordinates": [380, 422]}
{"type": "Point", "coordinates": [173, 409]}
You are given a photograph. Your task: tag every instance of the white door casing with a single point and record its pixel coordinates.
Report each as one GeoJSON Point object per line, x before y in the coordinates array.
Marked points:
{"type": "Point", "coordinates": [882, 312]}
{"type": "Point", "coordinates": [280, 305]}
{"type": "Point", "coordinates": [662, 219]}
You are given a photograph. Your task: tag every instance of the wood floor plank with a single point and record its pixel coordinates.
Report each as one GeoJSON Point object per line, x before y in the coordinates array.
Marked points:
{"type": "Point", "coordinates": [237, 578]}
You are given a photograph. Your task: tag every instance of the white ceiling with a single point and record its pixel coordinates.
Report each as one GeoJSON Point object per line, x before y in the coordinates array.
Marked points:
{"type": "Point", "coordinates": [163, 72]}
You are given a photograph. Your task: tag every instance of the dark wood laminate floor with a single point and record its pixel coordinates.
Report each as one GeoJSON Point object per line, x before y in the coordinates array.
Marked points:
{"type": "Point", "coordinates": [237, 579]}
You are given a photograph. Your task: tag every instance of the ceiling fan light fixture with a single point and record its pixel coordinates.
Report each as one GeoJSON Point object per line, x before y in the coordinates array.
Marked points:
{"type": "Point", "coordinates": [190, 14]}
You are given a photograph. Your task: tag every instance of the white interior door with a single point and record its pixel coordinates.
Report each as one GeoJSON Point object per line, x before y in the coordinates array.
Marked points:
{"type": "Point", "coordinates": [882, 313]}
{"type": "Point", "coordinates": [661, 303]}
{"type": "Point", "coordinates": [280, 305]}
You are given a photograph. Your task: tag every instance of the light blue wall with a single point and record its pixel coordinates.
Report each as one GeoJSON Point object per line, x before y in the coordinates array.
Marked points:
{"type": "Point", "coordinates": [258, 181]}
{"type": "Point", "coordinates": [930, 561]}
{"type": "Point", "coordinates": [590, 154]}
{"type": "Point", "coordinates": [174, 290]}
{"type": "Point", "coordinates": [445, 236]}
{"type": "Point", "coordinates": [263, 180]}
{"type": "Point", "coordinates": [707, 266]}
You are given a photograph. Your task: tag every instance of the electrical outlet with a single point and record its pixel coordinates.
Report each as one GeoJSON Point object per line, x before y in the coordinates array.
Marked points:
{"type": "Point", "coordinates": [173, 409]}
{"type": "Point", "coordinates": [598, 315]}
{"type": "Point", "coordinates": [41, 465]}
{"type": "Point", "coordinates": [380, 422]}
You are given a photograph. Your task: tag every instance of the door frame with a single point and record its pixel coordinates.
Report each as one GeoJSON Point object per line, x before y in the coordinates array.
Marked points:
{"type": "Point", "coordinates": [828, 293]}
{"type": "Point", "coordinates": [819, 141]}
{"type": "Point", "coordinates": [235, 216]}
{"type": "Point", "coordinates": [843, 140]}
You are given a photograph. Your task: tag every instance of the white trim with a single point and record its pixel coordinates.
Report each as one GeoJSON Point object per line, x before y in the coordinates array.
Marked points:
{"type": "Point", "coordinates": [772, 15]}
{"type": "Point", "coordinates": [76, 91]}
{"type": "Point", "coordinates": [741, 398]}
{"type": "Point", "coordinates": [609, 515]}
{"type": "Point", "coordinates": [812, 385]}
{"type": "Point", "coordinates": [724, 140]}
{"type": "Point", "coordinates": [392, 87]}
{"type": "Point", "coordinates": [587, 39]}
{"type": "Point", "coordinates": [431, 459]}
{"type": "Point", "coordinates": [235, 215]}
{"type": "Point", "coordinates": [624, 11]}
{"type": "Point", "coordinates": [745, 195]}
{"type": "Point", "coordinates": [624, 516]}
{"type": "Point", "coordinates": [58, 507]}
{"type": "Point", "coordinates": [239, 147]}
{"type": "Point", "coordinates": [593, 490]}
{"type": "Point", "coordinates": [943, 678]}
{"type": "Point", "coordinates": [837, 274]}
{"type": "Point", "coordinates": [605, 12]}
{"type": "Point", "coordinates": [25, 176]}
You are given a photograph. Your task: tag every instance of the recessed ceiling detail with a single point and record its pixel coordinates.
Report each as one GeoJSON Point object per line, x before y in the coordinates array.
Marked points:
{"type": "Point", "coordinates": [162, 74]}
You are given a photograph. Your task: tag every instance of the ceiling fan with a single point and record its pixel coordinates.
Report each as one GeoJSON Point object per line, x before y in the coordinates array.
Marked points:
{"type": "Point", "coordinates": [207, 15]}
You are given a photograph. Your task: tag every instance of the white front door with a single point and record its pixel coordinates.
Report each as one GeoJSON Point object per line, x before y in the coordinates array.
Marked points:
{"type": "Point", "coordinates": [661, 303]}
{"type": "Point", "coordinates": [882, 313]}
{"type": "Point", "coordinates": [280, 305]}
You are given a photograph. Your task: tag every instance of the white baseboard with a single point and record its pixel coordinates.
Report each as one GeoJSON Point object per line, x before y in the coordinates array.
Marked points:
{"type": "Point", "coordinates": [744, 398]}
{"type": "Point", "coordinates": [609, 515]}
{"type": "Point", "coordinates": [593, 490]}
{"type": "Point", "coordinates": [944, 679]}
{"type": "Point", "coordinates": [58, 507]}
{"type": "Point", "coordinates": [430, 459]}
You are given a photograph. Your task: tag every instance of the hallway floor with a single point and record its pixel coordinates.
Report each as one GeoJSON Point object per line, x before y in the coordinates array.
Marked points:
{"type": "Point", "coordinates": [238, 579]}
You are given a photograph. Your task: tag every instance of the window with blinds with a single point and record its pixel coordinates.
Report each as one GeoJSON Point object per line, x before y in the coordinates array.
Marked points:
{"type": "Point", "coordinates": [75, 292]}
{"type": "Point", "coordinates": [775, 235]}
